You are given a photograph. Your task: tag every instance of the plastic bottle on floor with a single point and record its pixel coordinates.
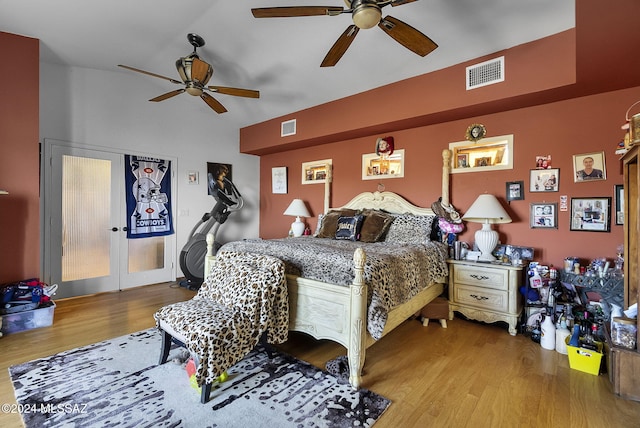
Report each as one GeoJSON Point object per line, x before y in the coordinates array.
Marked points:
{"type": "Point", "coordinates": [548, 329]}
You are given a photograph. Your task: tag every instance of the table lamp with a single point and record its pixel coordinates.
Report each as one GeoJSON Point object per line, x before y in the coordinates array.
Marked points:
{"type": "Point", "coordinates": [486, 210]}
{"type": "Point", "coordinates": [298, 209]}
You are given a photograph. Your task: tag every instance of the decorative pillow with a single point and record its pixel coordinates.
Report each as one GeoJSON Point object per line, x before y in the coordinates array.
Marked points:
{"type": "Point", "coordinates": [330, 222]}
{"type": "Point", "coordinates": [349, 227]}
{"type": "Point", "coordinates": [410, 229]}
{"type": "Point", "coordinates": [375, 225]}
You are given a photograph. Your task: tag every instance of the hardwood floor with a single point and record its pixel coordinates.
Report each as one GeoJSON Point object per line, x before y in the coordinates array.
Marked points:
{"type": "Point", "coordinates": [467, 375]}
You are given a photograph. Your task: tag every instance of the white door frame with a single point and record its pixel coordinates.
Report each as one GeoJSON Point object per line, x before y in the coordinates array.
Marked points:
{"type": "Point", "coordinates": [46, 206]}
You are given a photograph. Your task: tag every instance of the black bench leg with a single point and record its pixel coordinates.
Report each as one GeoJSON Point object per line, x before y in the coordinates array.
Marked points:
{"type": "Point", "coordinates": [206, 391]}
{"type": "Point", "coordinates": [165, 347]}
{"type": "Point", "coordinates": [271, 351]}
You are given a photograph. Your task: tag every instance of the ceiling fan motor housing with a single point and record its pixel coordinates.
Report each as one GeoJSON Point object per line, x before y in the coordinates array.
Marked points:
{"type": "Point", "coordinates": [194, 72]}
{"type": "Point", "coordinates": [366, 13]}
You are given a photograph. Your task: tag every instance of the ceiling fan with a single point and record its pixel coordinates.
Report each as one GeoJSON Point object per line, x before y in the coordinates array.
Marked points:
{"type": "Point", "coordinates": [365, 14]}
{"type": "Point", "coordinates": [195, 74]}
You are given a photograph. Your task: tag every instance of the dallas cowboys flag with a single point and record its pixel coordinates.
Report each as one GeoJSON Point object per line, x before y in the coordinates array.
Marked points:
{"type": "Point", "coordinates": [148, 189]}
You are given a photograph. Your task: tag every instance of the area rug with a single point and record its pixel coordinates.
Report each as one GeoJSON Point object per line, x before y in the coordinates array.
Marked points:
{"type": "Point", "coordinates": [118, 383]}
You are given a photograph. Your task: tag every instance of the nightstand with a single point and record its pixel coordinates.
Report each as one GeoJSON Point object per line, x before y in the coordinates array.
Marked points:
{"type": "Point", "coordinates": [485, 292]}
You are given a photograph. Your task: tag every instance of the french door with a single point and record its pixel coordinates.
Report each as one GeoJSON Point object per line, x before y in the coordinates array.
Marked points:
{"type": "Point", "coordinates": [86, 249]}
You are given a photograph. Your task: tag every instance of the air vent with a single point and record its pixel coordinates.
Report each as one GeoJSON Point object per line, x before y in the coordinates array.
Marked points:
{"type": "Point", "coordinates": [288, 128]}
{"type": "Point", "coordinates": [485, 73]}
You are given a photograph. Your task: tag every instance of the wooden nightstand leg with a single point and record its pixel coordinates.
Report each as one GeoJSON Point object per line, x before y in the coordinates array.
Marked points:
{"type": "Point", "coordinates": [443, 323]}
{"type": "Point", "coordinates": [425, 322]}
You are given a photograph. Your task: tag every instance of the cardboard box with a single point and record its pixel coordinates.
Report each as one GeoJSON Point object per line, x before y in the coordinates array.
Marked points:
{"type": "Point", "coordinates": [585, 360]}
{"type": "Point", "coordinates": [28, 320]}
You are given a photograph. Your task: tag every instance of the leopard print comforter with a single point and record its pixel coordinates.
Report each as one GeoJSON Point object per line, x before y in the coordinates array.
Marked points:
{"type": "Point", "coordinates": [394, 273]}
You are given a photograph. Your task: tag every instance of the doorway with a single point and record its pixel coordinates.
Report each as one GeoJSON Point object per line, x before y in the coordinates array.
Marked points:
{"type": "Point", "coordinates": [86, 248]}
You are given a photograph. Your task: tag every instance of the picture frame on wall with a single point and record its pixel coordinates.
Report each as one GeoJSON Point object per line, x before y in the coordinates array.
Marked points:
{"type": "Point", "coordinates": [279, 180]}
{"type": "Point", "coordinates": [515, 191]}
{"type": "Point", "coordinates": [619, 195]}
{"type": "Point", "coordinates": [193, 177]}
{"type": "Point", "coordinates": [591, 214]}
{"type": "Point", "coordinates": [316, 171]}
{"type": "Point", "coordinates": [216, 174]}
{"type": "Point", "coordinates": [543, 215]}
{"type": "Point", "coordinates": [544, 180]}
{"type": "Point", "coordinates": [589, 167]}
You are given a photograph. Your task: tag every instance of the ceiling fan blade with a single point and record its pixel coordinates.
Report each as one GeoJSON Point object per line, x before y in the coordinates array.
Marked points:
{"type": "Point", "coordinates": [340, 47]}
{"type": "Point", "coordinates": [401, 2]}
{"type": "Point", "coordinates": [150, 74]}
{"type": "Point", "coordinates": [289, 11]}
{"type": "Point", "coordinates": [167, 95]}
{"type": "Point", "coordinates": [213, 103]}
{"type": "Point", "coordinates": [407, 36]}
{"type": "Point", "coordinates": [238, 92]}
{"type": "Point", "coordinates": [201, 71]}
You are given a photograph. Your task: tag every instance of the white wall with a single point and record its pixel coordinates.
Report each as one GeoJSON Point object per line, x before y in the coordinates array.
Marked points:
{"type": "Point", "coordinates": [110, 109]}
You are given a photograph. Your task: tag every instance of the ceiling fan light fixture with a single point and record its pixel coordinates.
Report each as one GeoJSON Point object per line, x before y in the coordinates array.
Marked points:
{"type": "Point", "coordinates": [193, 89]}
{"type": "Point", "coordinates": [366, 15]}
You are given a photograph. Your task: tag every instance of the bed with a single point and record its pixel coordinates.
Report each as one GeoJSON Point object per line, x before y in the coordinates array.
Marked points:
{"type": "Point", "coordinates": [341, 310]}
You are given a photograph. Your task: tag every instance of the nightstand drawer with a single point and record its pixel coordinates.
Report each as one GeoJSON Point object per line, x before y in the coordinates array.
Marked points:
{"type": "Point", "coordinates": [482, 298]}
{"type": "Point", "coordinates": [484, 277]}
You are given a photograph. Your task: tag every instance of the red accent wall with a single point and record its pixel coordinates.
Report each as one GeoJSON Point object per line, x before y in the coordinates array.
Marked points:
{"type": "Point", "coordinates": [19, 158]}
{"type": "Point", "coordinates": [566, 94]}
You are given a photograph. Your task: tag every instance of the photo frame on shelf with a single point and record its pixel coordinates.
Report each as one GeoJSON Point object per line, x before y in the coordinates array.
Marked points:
{"type": "Point", "coordinates": [589, 167]}
{"type": "Point", "coordinates": [315, 171]}
{"type": "Point", "coordinates": [543, 215]}
{"type": "Point", "coordinates": [544, 180]}
{"type": "Point", "coordinates": [279, 180]}
{"type": "Point", "coordinates": [376, 167]}
{"type": "Point", "coordinates": [619, 198]}
{"type": "Point", "coordinates": [193, 177]}
{"type": "Point", "coordinates": [591, 214]}
{"type": "Point", "coordinates": [515, 191]}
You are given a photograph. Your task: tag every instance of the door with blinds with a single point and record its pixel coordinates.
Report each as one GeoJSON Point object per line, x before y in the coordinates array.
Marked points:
{"type": "Point", "coordinates": [86, 245]}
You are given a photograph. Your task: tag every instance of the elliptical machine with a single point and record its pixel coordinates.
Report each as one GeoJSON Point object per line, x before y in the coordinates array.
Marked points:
{"type": "Point", "coordinates": [192, 256]}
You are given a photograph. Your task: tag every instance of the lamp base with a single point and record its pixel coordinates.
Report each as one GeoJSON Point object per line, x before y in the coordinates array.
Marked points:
{"type": "Point", "coordinates": [297, 227]}
{"type": "Point", "coordinates": [486, 240]}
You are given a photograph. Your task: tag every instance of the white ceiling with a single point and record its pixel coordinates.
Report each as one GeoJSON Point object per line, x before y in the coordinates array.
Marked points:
{"type": "Point", "coordinates": [280, 57]}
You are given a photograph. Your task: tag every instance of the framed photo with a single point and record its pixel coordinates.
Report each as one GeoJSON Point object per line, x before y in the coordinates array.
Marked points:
{"type": "Point", "coordinates": [217, 174]}
{"type": "Point", "coordinates": [462, 160]}
{"type": "Point", "coordinates": [316, 171]}
{"type": "Point", "coordinates": [376, 167]}
{"type": "Point", "coordinates": [515, 190]}
{"type": "Point", "coordinates": [544, 180]}
{"type": "Point", "coordinates": [591, 214]}
{"type": "Point", "coordinates": [589, 167]}
{"type": "Point", "coordinates": [543, 215]}
{"type": "Point", "coordinates": [279, 180]}
{"type": "Point", "coordinates": [192, 177]}
{"type": "Point", "coordinates": [619, 195]}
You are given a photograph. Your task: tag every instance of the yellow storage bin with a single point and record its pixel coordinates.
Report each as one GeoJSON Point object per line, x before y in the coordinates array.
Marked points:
{"type": "Point", "coordinates": [585, 360]}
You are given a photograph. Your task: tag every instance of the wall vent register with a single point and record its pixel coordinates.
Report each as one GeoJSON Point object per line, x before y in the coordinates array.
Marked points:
{"type": "Point", "coordinates": [485, 73]}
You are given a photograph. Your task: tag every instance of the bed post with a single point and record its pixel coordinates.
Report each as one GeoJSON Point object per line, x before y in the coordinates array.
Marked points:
{"type": "Point", "coordinates": [327, 188]}
{"type": "Point", "coordinates": [210, 256]}
{"type": "Point", "coordinates": [358, 324]}
{"type": "Point", "coordinates": [446, 170]}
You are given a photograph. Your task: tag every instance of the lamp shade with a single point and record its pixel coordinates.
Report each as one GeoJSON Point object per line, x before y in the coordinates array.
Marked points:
{"type": "Point", "coordinates": [486, 210]}
{"type": "Point", "coordinates": [298, 209]}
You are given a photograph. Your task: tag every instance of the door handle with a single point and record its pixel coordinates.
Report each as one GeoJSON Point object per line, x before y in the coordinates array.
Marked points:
{"type": "Point", "coordinates": [114, 229]}
{"type": "Point", "coordinates": [124, 229]}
